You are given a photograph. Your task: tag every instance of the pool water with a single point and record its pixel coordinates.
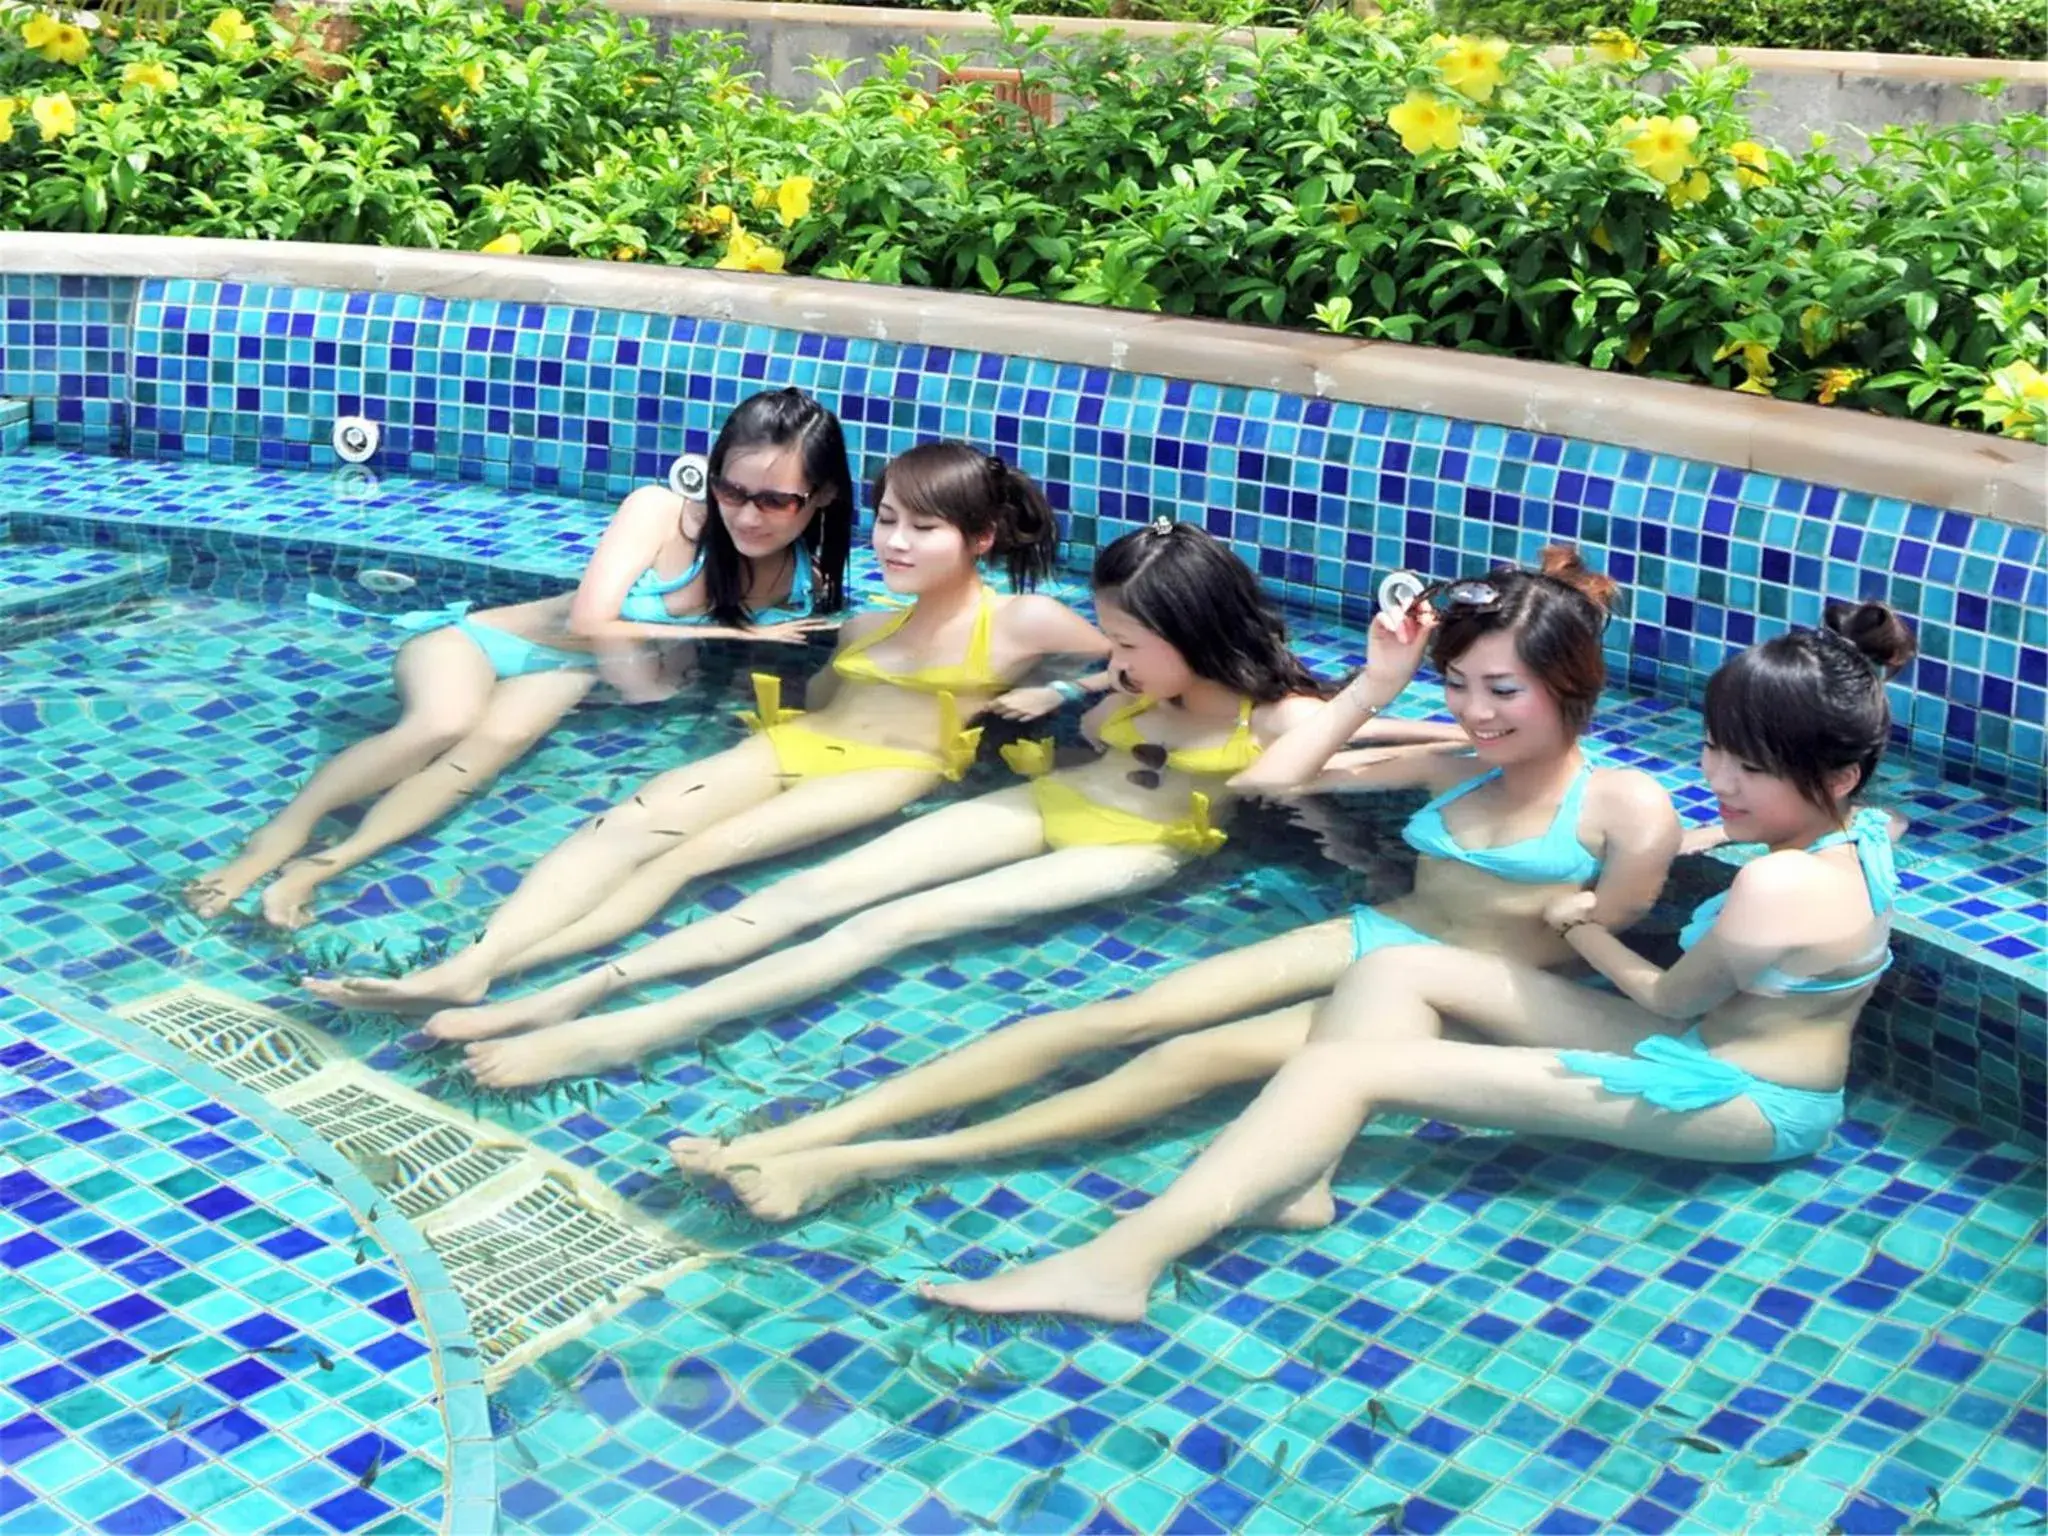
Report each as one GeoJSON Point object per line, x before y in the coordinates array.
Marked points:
{"type": "Point", "coordinates": [1497, 1334]}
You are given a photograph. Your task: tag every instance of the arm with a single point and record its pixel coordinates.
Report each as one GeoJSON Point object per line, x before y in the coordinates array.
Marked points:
{"type": "Point", "coordinates": [823, 685]}
{"type": "Point", "coordinates": [1042, 626]}
{"type": "Point", "coordinates": [1298, 758]}
{"type": "Point", "coordinates": [629, 545]}
{"type": "Point", "coordinates": [1640, 836]}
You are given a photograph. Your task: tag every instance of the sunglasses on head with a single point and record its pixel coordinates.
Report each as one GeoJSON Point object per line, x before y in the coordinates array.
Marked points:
{"type": "Point", "coordinates": [1151, 759]}
{"type": "Point", "coordinates": [1404, 591]}
{"type": "Point", "coordinates": [732, 497]}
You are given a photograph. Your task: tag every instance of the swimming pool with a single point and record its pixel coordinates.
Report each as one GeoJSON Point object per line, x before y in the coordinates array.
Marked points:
{"type": "Point", "coordinates": [217, 1316]}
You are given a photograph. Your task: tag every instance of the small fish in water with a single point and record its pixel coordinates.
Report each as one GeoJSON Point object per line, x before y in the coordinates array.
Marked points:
{"type": "Point", "coordinates": [385, 581]}
{"type": "Point", "coordinates": [380, 1168]}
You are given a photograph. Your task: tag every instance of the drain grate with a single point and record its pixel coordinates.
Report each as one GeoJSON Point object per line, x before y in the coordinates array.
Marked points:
{"type": "Point", "coordinates": [537, 1249]}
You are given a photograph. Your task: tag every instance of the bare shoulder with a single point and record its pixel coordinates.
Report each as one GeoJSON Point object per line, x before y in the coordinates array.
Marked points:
{"type": "Point", "coordinates": [1039, 622]}
{"type": "Point", "coordinates": [1621, 797]}
{"type": "Point", "coordinates": [1272, 721]}
{"type": "Point", "coordinates": [651, 501]}
{"type": "Point", "coordinates": [865, 622]}
{"type": "Point", "coordinates": [1783, 884]}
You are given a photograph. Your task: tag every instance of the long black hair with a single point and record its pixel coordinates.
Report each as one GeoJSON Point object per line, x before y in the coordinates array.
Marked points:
{"type": "Point", "coordinates": [1202, 600]}
{"type": "Point", "coordinates": [1805, 705]}
{"type": "Point", "coordinates": [780, 418]}
{"type": "Point", "coordinates": [978, 493]}
{"type": "Point", "coordinates": [1556, 614]}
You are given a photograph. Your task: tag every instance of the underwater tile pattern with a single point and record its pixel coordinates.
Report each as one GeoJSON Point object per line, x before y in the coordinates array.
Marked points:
{"type": "Point", "coordinates": [1320, 494]}
{"type": "Point", "coordinates": [1497, 1335]}
{"type": "Point", "coordinates": [195, 1326]}
{"type": "Point", "coordinates": [14, 425]}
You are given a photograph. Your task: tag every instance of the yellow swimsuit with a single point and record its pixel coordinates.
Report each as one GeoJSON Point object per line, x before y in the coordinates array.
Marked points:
{"type": "Point", "coordinates": [802, 753]}
{"type": "Point", "coordinates": [1072, 820]}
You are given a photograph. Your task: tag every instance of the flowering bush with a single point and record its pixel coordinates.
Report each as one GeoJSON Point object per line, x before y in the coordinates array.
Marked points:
{"type": "Point", "coordinates": [1370, 179]}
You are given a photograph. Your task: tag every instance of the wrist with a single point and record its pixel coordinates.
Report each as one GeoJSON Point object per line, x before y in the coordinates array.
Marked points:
{"type": "Point", "coordinates": [1571, 925]}
{"type": "Point", "coordinates": [1070, 692]}
{"type": "Point", "coordinates": [1359, 695]}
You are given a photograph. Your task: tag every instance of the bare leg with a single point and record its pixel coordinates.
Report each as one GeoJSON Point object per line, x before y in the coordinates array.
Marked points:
{"type": "Point", "coordinates": [786, 1185]}
{"type": "Point", "coordinates": [1051, 883]}
{"type": "Point", "coordinates": [1313, 1107]}
{"type": "Point", "coordinates": [521, 711]}
{"type": "Point", "coordinates": [577, 874]}
{"type": "Point", "coordinates": [444, 684]}
{"type": "Point", "coordinates": [806, 813]}
{"type": "Point", "coordinates": [1228, 986]}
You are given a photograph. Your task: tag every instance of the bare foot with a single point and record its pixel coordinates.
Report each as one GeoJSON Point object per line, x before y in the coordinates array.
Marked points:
{"type": "Point", "coordinates": [1077, 1282]}
{"type": "Point", "coordinates": [1311, 1210]}
{"type": "Point", "coordinates": [212, 894]}
{"type": "Point", "coordinates": [557, 1005]}
{"type": "Point", "coordinates": [702, 1156]}
{"type": "Point", "coordinates": [796, 1183]}
{"type": "Point", "coordinates": [567, 1050]}
{"type": "Point", "coordinates": [426, 991]}
{"type": "Point", "coordinates": [285, 899]}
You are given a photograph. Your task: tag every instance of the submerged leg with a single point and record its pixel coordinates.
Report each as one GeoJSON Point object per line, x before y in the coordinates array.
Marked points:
{"type": "Point", "coordinates": [521, 711]}
{"type": "Point", "coordinates": [1227, 986]}
{"type": "Point", "coordinates": [444, 685]}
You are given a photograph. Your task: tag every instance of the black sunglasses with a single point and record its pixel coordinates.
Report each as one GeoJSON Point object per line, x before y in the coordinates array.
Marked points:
{"type": "Point", "coordinates": [1477, 596]}
{"type": "Point", "coordinates": [1151, 758]}
{"type": "Point", "coordinates": [732, 497]}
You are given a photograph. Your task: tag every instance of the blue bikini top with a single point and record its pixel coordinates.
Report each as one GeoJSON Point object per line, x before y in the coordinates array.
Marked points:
{"type": "Point", "coordinates": [1871, 833]}
{"type": "Point", "coordinates": [644, 603]}
{"type": "Point", "coordinates": [1557, 857]}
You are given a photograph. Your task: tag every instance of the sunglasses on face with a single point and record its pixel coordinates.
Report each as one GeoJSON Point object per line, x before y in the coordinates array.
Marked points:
{"type": "Point", "coordinates": [732, 496]}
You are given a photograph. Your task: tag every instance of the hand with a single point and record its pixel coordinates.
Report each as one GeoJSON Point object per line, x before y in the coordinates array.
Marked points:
{"type": "Point", "coordinates": [792, 631]}
{"type": "Point", "coordinates": [1570, 911]}
{"type": "Point", "coordinates": [1393, 651]}
{"type": "Point", "coordinates": [1026, 704]}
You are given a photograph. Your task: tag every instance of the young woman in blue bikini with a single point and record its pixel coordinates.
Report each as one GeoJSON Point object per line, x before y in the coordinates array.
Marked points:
{"type": "Point", "coordinates": [765, 560]}
{"type": "Point", "coordinates": [1521, 820]}
{"type": "Point", "coordinates": [1736, 1053]}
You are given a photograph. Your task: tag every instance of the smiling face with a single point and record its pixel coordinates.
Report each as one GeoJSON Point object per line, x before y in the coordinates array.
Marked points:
{"type": "Point", "coordinates": [1139, 660]}
{"type": "Point", "coordinates": [1758, 806]}
{"type": "Point", "coordinates": [757, 532]}
{"type": "Point", "coordinates": [921, 552]}
{"type": "Point", "coordinates": [1509, 714]}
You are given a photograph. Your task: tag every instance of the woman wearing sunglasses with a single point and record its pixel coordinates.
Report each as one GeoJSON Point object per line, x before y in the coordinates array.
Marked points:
{"type": "Point", "coordinates": [1519, 821]}
{"type": "Point", "coordinates": [478, 688]}
{"type": "Point", "coordinates": [1202, 660]}
{"type": "Point", "coordinates": [887, 724]}
{"type": "Point", "coordinates": [1735, 1054]}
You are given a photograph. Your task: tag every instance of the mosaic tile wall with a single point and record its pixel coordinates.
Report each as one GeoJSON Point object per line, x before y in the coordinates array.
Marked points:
{"type": "Point", "coordinates": [1315, 491]}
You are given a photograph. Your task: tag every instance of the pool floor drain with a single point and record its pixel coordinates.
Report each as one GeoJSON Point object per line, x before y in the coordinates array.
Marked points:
{"type": "Point", "coordinates": [538, 1250]}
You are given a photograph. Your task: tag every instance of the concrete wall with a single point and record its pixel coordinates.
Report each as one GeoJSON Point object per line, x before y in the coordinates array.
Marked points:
{"type": "Point", "coordinates": [1793, 93]}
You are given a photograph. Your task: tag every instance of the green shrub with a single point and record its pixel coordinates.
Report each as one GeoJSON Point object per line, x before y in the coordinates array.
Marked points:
{"type": "Point", "coordinates": [1370, 180]}
{"type": "Point", "coordinates": [1990, 29]}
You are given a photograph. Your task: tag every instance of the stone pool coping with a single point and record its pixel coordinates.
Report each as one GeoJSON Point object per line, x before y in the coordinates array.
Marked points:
{"type": "Point", "coordinates": [1970, 472]}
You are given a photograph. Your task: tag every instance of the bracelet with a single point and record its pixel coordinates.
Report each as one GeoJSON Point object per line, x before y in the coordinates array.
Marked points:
{"type": "Point", "coordinates": [1578, 922]}
{"type": "Point", "coordinates": [1069, 691]}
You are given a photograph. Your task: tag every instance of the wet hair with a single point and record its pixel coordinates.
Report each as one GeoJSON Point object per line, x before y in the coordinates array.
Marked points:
{"type": "Point", "coordinates": [1556, 613]}
{"type": "Point", "coordinates": [1808, 704]}
{"type": "Point", "coordinates": [782, 418]}
{"type": "Point", "coordinates": [1202, 600]}
{"type": "Point", "coordinates": [978, 493]}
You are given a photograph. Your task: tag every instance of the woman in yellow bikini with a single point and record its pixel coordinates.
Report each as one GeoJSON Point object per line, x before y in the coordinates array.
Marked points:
{"type": "Point", "coordinates": [1194, 639]}
{"type": "Point", "coordinates": [887, 725]}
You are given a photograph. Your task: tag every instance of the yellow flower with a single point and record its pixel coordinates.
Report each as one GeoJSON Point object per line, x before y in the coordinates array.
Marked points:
{"type": "Point", "coordinates": [1602, 239]}
{"type": "Point", "coordinates": [1426, 122]}
{"type": "Point", "coordinates": [229, 31]}
{"type": "Point", "coordinates": [914, 106]}
{"type": "Point", "coordinates": [1611, 45]}
{"type": "Point", "coordinates": [9, 105]}
{"type": "Point", "coordinates": [507, 244]}
{"type": "Point", "coordinates": [626, 253]}
{"type": "Point", "coordinates": [744, 253]}
{"type": "Point", "coordinates": [2016, 401]}
{"type": "Point", "coordinates": [1471, 66]}
{"type": "Point", "coordinates": [1816, 329]}
{"type": "Point", "coordinates": [1752, 164]}
{"type": "Point", "coordinates": [150, 75]}
{"type": "Point", "coordinates": [1835, 380]}
{"type": "Point", "coordinates": [1346, 214]}
{"type": "Point", "coordinates": [57, 41]}
{"type": "Point", "coordinates": [54, 115]}
{"type": "Point", "coordinates": [793, 199]}
{"type": "Point", "coordinates": [1662, 147]}
{"type": "Point", "coordinates": [1638, 349]}
{"type": "Point", "coordinates": [1693, 189]}
{"type": "Point", "coordinates": [472, 73]}
{"type": "Point", "coordinates": [1756, 363]}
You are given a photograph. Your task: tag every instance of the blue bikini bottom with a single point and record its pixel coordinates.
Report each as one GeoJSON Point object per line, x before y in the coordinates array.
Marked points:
{"type": "Point", "coordinates": [1679, 1074]}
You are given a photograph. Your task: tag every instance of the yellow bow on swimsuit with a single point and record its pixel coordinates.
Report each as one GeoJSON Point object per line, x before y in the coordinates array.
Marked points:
{"type": "Point", "coordinates": [767, 711]}
{"type": "Point", "coordinates": [1030, 759]}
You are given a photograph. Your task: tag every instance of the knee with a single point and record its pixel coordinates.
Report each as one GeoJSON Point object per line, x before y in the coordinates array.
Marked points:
{"type": "Point", "coordinates": [493, 747]}
{"type": "Point", "coordinates": [436, 735]}
{"type": "Point", "coordinates": [1203, 1059]}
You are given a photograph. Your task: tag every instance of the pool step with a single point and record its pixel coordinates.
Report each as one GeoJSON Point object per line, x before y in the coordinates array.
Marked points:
{"type": "Point", "coordinates": [14, 425]}
{"type": "Point", "coordinates": [55, 586]}
{"type": "Point", "coordinates": [538, 1250]}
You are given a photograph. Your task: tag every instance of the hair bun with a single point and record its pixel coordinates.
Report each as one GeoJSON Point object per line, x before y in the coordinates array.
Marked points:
{"type": "Point", "coordinates": [1561, 562]}
{"type": "Point", "coordinates": [1886, 640]}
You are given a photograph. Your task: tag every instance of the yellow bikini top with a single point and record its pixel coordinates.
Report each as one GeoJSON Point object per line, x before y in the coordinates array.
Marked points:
{"type": "Point", "coordinates": [1234, 756]}
{"type": "Point", "coordinates": [971, 675]}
